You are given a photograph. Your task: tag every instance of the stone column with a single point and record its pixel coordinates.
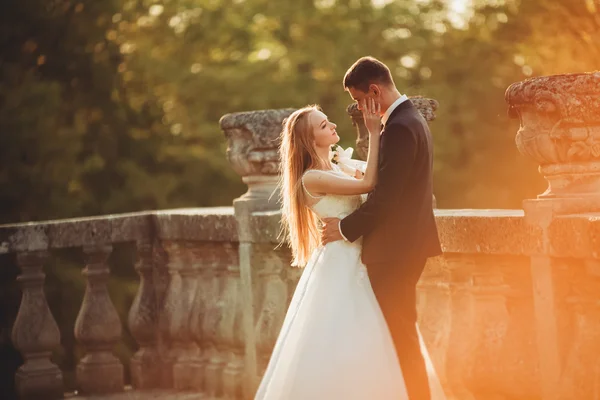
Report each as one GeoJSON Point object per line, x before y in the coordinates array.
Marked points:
{"type": "Point", "coordinates": [35, 333]}
{"type": "Point", "coordinates": [143, 322]}
{"type": "Point", "coordinates": [98, 328]}
{"type": "Point", "coordinates": [426, 107]}
{"type": "Point", "coordinates": [253, 150]}
{"type": "Point", "coordinates": [560, 129]}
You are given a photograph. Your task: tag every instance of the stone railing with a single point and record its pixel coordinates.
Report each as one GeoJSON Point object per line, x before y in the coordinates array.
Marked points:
{"type": "Point", "coordinates": [187, 261]}
{"type": "Point", "coordinates": [508, 311]}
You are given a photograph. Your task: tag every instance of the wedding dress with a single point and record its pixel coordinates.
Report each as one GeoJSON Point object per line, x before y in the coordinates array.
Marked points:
{"type": "Point", "coordinates": [334, 342]}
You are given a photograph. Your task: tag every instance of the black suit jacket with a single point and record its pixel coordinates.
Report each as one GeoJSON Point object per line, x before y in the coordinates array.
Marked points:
{"type": "Point", "coordinates": [396, 221]}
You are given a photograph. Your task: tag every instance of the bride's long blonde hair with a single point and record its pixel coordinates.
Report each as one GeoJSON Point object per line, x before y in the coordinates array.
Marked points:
{"type": "Point", "coordinates": [297, 152]}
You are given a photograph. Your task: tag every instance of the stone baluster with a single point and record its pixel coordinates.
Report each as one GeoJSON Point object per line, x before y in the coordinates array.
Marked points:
{"type": "Point", "coordinates": [519, 375]}
{"type": "Point", "coordinates": [176, 316]}
{"type": "Point", "coordinates": [143, 322]}
{"type": "Point", "coordinates": [560, 129]}
{"type": "Point", "coordinates": [98, 328]}
{"type": "Point", "coordinates": [171, 316]}
{"type": "Point", "coordinates": [212, 322]}
{"type": "Point", "coordinates": [459, 355]}
{"type": "Point", "coordinates": [490, 323]}
{"type": "Point", "coordinates": [190, 273]}
{"type": "Point", "coordinates": [232, 334]}
{"type": "Point", "coordinates": [203, 258]}
{"type": "Point", "coordinates": [35, 333]}
{"type": "Point", "coordinates": [426, 107]}
{"type": "Point", "coordinates": [435, 311]}
{"type": "Point", "coordinates": [580, 377]}
{"type": "Point", "coordinates": [273, 302]}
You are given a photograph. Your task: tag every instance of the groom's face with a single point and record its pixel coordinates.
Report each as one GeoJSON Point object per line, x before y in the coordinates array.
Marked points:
{"type": "Point", "coordinates": [359, 96]}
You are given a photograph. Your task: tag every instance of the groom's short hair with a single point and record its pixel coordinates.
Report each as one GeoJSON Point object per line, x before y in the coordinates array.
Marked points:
{"type": "Point", "coordinates": [365, 71]}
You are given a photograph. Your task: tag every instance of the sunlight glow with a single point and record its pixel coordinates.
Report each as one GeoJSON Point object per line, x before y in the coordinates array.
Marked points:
{"type": "Point", "coordinates": [459, 12]}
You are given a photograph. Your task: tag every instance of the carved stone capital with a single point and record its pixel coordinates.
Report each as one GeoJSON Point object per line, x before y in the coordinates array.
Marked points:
{"type": "Point", "coordinates": [560, 129]}
{"type": "Point", "coordinates": [253, 150]}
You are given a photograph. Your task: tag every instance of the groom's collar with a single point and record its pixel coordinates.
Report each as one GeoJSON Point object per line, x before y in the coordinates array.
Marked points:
{"type": "Point", "coordinates": [390, 110]}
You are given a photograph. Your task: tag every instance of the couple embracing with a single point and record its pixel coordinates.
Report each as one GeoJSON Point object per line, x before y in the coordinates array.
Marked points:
{"type": "Point", "coordinates": [350, 332]}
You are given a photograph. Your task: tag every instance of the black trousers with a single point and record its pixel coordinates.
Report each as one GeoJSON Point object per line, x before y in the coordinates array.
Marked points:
{"type": "Point", "coordinates": [395, 286]}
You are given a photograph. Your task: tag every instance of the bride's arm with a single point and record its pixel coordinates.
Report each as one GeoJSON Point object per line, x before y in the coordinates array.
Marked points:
{"type": "Point", "coordinates": [323, 182]}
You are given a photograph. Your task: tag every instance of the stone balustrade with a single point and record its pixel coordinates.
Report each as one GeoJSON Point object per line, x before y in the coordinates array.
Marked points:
{"type": "Point", "coordinates": [508, 311]}
{"type": "Point", "coordinates": [476, 303]}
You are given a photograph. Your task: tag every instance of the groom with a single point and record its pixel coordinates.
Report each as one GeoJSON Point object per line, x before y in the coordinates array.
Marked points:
{"type": "Point", "coordinates": [396, 222]}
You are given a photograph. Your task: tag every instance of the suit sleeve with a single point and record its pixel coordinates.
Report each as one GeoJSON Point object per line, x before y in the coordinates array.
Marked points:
{"type": "Point", "coordinates": [397, 157]}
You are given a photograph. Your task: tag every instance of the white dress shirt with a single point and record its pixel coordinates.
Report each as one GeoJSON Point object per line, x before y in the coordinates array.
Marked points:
{"type": "Point", "coordinates": [384, 120]}
{"type": "Point", "coordinates": [391, 108]}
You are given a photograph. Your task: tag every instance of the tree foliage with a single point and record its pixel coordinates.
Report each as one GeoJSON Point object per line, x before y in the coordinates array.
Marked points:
{"type": "Point", "coordinates": [113, 106]}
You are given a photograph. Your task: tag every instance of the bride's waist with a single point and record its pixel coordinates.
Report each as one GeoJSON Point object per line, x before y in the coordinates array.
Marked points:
{"type": "Point", "coordinates": [344, 245]}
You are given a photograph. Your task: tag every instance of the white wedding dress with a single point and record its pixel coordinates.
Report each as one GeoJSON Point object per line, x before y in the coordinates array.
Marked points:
{"type": "Point", "coordinates": [334, 342]}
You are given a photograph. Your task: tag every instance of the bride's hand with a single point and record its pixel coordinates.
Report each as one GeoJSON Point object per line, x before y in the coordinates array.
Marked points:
{"type": "Point", "coordinates": [371, 112]}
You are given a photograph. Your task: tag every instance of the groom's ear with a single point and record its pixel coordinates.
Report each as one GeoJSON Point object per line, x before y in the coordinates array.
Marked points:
{"type": "Point", "coordinates": [374, 89]}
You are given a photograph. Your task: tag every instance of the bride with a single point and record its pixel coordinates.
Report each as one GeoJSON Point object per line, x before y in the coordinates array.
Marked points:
{"type": "Point", "coordinates": [334, 342]}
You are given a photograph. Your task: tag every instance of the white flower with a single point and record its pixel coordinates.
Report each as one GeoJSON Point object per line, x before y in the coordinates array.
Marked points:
{"type": "Point", "coordinates": [339, 155]}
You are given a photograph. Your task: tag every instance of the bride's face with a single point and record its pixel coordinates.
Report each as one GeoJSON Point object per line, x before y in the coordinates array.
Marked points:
{"type": "Point", "coordinates": [324, 131]}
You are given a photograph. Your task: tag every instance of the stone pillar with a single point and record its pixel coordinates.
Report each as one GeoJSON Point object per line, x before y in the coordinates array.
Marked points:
{"type": "Point", "coordinates": [560, 129]}
{"type": "Point", "coordinates": [35, 333]}
{"type": "Point", "coordinates": [143, 322]}
{"type": "Point", "coordinates": [98, 328]}
{"type": "Point", "coordinates": [253, 150]}
{"type": "Point", "coordinates": [426, 107]}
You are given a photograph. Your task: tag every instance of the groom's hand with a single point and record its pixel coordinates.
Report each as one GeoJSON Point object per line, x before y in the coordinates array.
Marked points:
{"type": "Point", "coordinates": [330, 232]}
